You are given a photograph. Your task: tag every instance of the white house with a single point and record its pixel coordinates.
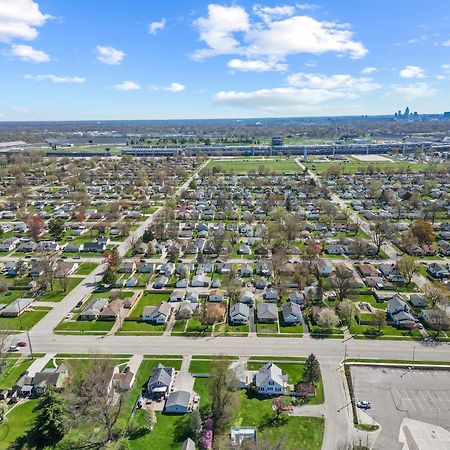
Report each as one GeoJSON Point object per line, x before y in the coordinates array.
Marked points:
{"type": "Point", "coordinates": [269, 380]}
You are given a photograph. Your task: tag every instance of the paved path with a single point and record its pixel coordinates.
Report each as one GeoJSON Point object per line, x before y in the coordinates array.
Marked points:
{"type": "Point", "coordinates": [135, 362]}
{"type": "Point", "coordinates": [309, 411]}
{"type": "Point", "coordinates": [38, 364]}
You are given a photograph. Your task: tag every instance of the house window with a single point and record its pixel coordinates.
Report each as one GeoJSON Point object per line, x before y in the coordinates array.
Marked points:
{"type": "Point", "coordinates": [271, 383]}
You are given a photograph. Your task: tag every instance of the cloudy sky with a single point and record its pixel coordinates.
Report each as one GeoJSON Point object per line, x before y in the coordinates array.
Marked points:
{"type": "Point", "coordinates": [130, 59]}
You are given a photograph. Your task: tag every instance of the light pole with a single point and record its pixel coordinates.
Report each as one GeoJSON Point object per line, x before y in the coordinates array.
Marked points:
{"type": "Point", "coordinates": [19, 311]}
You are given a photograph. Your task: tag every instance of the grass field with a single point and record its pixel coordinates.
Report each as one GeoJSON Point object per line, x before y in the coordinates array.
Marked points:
{"type": "Point", "coordinates": [12, 371]}
{"type": "Point", "coordinates": [362, 166]}
{"type": "Point", "coordinates": [57, 294]}
{"type": "Point", "coordinates": [28, 320]}
{"type": "Point", "coordinates": [86, 268]}
{"type": "Point", "coordinates": [278, 166]}
{"type": "Point", "coordinates": [16, 424]}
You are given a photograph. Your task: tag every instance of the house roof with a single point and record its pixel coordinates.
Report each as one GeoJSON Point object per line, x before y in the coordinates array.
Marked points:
{"type": "Point", "coordinates": [267, 311]}
{"type": "Point", "coordinates": [178, 398]}
{"type": "Point", "coordinates": [240, 309]}
{"type": "Point", "coordinates": [270, 372]}
{"type": "Point", "coordinates": [291, 309]}
{"type": "Point", "coordinates": [161, 375]}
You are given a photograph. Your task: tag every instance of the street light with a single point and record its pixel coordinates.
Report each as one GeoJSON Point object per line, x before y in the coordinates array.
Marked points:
{"type": "Point", "coordinates": [21, 327]}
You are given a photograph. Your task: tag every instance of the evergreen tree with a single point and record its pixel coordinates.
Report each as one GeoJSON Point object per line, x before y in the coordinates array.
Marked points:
{"type": "Point", "coordinates": [49, 426]}
{"type": "Point", "coordinates": [56, 228]}
{"type": "Point", "coordinates": [109, 277]}
{"type": "Point", "coordinates": [311, 371]}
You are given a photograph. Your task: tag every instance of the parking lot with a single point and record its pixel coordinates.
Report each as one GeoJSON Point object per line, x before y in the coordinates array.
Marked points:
{"type": "Point", "coordinates": [398, 393]}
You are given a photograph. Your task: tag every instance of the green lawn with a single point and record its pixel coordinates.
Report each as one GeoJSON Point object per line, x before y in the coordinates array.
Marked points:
{"type": "Point", "coordinates": [17, 423]}
{"type": "Point", "coordinates": [9, 296]}
{"type": "Point", "coordinates": [57, 294]}
{"type": "Point", "coordinates": [86, 268]}
{"type": "Point", "coordinates": [267, 328]}
{"type": "Point", "coordinates": [28, 320]}
{"type": "Point", "coordinates": [85, 325]}
{"type": "Point", "coordinates": [142, 327]}
{"type": "Point", "coordinates": [245, 166]}
{"type": "Point", "coordinates": [179, 326]}
{"type": "Point", "coordinates": [195, 326]}
{"type": "Point", "coordinates": [149, 299]}
{"type": "Point", "coordinates": [12, 371]}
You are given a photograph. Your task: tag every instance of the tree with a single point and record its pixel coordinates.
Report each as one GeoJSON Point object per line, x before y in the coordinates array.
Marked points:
{"type": "Point", "coordinates": [380, 233]}
{"type": "Point", "coordinates": [195, 425]}
{"type": "Point", "coordinates": [423, 231]}
{"type": "Point", "coordinates": [91, 401]}
{"type": "Point", "coordinates": [223, 394]}
{"type": "Point", "coordinates": [217, 240]}
{"type": "Point", "coordinates": [407, 267]}
{"type": "Point", "coordinates": [346, 309]}
{"type": "Point", "coordinates": [112, 259]}
{"type": "Point", "coordinates": [438, 321]}
{"type": "Point", "coordinates": [311, 369]}
{"type": "Point", "coordinates": [109, 277]}
{"type": "Point", "coordinates": [327, 319]}
{"type": "Point", "coordinates": [50, 423]}
{"type": "Point", "coordinates": [56, 228]}
{"type": "Point", "coordinates": [358, 247]}
{"type": "Point", "coordinates": [436, 295]}
{"type": "Point", "coordinates": [47, 266]}
{"type": "Point", "coordinates": [148, 236]}
{"type": "Point", "coordinates": [342, 282]}
{"type": "Point", "coordinates": [379, 319]}
{"type": "Point", "coordinates": [150, 249]}
{"type": "Point", "coordinates": [36, 226]}
{"type": "Point", "coordinates": [282, 406]}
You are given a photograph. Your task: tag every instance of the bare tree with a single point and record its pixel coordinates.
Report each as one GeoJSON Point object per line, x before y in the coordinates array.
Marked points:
{"type": "Point", "coordinates": [379, 319]}
{"type": "Point", "coordinates": [342, 282]}
{"type": "Point", "coordinates": [47, 266]}
{"type": "Point", "coordinates": [91, 399]}
{"type": "Point", "coordinates": [438, 321]}
{"type": "Point", "coordinates": [380, 233]}
{"type": "Point", "coordinates": [407, 267]}
{"type": "Point", "coordinates": [436, 295]}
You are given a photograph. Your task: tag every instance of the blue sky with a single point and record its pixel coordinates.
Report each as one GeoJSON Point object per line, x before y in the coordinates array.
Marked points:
{"type": "Point", "coordinates": [134, 59]}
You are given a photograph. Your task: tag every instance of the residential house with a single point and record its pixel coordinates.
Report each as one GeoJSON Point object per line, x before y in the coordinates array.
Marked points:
{"type": "Point", "coordinates": [436, 270]}
{"type": "Point", "coordinates": [292, 313]}
{"type": "Point", "coordinates": [266, 313]}
{"type": "Point", "coordinates": [216, 295]}
{"type": "Point", "coordinates": [177, 295]}
{"type": "Point", "coordinates": [200, 281]}
{"type": "Point", "coordinates": [112, 310]}
{"type": "Point", "coordinates": [178, 402]}
{"type": "Point", "coordinates": [160, 282]}
{"type": "Point", "coordinates": [50, 377]}
{"type": "Point", "coordinates": [93, 309]}
{"type": "Point", "coordinates": [239, 314]}
{"type": "Point", "coordinates": [157, 314]}
{"type": "Point", "coordinates": [17, 307]}
{"type": "Point", "coordinates": [247, 297]}
{"type": "Point", "coordinates": [418, 300]}
{"type": "Point", "coordinates": [160, 383]}
{"type": "Point", "coordinates": [270, 380]}
{"type": "Point", "coordinates": [400, 313]}
{"type": "Point", "coordinates": [297, 297]}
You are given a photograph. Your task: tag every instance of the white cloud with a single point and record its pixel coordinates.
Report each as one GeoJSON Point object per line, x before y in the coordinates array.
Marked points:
{"type": "Point", "coordinates": [174, 87]}
{"type": "Point", "coordinates": [277, 99]}
{"type": "Point", "coordinates": [305, 6]}
{"type": "Point", "coordinates": [19, 19]}
{"type": "Point", "coordinates": [28, 53]}
{"type": "Point", "coordinates": [368, 70]}
{"type": "Point", "coordinates": [154, 27]}
{"type": "Point", "coordinates": [411, 91]}
{"type": "Point", "coordinates": [229, 30]}
{"type": "Point", "coordinates": [446, 67]}
{"type": "Point", "coordinates": [217, 30]}
{"type": "Point", "coordinates": [446, 43]}
{"type": "Point", "coordinates": [341, 82]}
{"type": "Point", "coordinates": [127, 86]}
{"type": "Point", "coordinates": [268, 13]}
{"type": "Point", "coordinates": [109, 55]}
{"type": "Point", "coordinates": [412, 72]}
{"type": "Point", "coordinates": [56, 79]}
{"type": "Point", "coordinates": [304, 93]}
{"type": "Point", "coordinates": [256, 65]}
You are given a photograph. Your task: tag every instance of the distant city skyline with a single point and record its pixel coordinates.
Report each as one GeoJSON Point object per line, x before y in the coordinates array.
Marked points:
{"type": "Point", "coordinates": [100, 60]}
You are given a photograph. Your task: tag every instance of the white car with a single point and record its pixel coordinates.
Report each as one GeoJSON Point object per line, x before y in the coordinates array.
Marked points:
{"type": "Point", "coordinates": [364, 405]}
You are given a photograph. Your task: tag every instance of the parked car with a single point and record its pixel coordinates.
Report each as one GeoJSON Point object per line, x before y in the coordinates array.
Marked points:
{"type": "Point", "coordinates": [77, 257]}
{"type": "Point", "coordinates": [364, 404]}
{"type": "Point", "coordinates": [22, 344]}
{"type": "Point", "coordinates": [13, 348]}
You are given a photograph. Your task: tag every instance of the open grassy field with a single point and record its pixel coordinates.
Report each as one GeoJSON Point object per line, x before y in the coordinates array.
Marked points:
{"type": "Point", "coordinates": [17, 423]}
{"type": "Point", "coordinates": [235, 166]}
{"type": "Point", "coordinates": [362, 166]}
